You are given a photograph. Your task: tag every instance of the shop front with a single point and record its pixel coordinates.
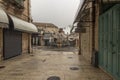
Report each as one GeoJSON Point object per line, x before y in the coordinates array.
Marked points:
{"type": "Point", "coordinates": [15, 35]}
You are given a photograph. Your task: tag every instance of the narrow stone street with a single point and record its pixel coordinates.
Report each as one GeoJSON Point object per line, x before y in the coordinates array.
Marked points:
{"type": "Point", "coordinates": [48, 64]}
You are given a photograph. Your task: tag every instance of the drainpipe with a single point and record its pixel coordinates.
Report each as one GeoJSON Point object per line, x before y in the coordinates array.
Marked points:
{"type": "Point", "coordinates": [30, 34]}
{"type": "Point", "coordinates": [93, 26]}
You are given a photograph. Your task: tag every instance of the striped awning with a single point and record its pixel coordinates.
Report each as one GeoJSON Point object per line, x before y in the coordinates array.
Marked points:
{"type": "Point", "coordinates": [22, 25]}
{"type": "Point", "coordinates": [3, 19]}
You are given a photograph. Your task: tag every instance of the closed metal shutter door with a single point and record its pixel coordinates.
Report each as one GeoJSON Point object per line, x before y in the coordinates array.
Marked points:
{"type": "Point", "coordinates": [12, 43]}
{"type": "Point", "coordinates": [109, 41]}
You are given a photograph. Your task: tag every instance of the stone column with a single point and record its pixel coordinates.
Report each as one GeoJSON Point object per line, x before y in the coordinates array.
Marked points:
{"type": "Point", "coordinates": [30, 47]}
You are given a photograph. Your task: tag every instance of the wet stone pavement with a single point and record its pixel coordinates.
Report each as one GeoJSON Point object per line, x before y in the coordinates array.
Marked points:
{"type": "Point", "coordinates": [50, 65]}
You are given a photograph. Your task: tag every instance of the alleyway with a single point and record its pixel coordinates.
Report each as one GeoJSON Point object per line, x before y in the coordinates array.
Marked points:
{"type": "Point", "coordinates": [44, 64]}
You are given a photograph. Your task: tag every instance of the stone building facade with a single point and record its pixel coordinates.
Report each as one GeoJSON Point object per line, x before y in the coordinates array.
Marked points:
{"type": "Point", "coordinates": [84, 28]}
{"type": "Point", "coordinates": [47, 27]}
{"type": "Point", "coordinates": [44, 29]}
{"type": "Point", "coordinates": [16, 29]}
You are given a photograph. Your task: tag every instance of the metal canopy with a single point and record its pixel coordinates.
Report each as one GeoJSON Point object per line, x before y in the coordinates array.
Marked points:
{"type": "Point", "coordinates": [82, 9]}
{"type": "Point", "coordinates": [85, 19]}
{"type": "Point", "coordinates": [84, 14]}
{"type": "Point", "coordinates": [3, 19]}
{"type": "Point", "coordinates": [23, 25]}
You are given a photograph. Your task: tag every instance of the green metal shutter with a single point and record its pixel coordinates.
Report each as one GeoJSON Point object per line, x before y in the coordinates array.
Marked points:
{"type": "Point", "coordinates": [114, 43]}
{"type": "Point", "coordinates": [109, 41]}
{"type": "Point", "coordinates": [110, 28]}
{"type": "Point", "coordinates": [118, 40]}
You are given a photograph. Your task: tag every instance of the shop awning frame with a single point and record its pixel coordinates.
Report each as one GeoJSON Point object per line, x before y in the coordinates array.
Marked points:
{"type": "Point", "coordinates": [22, 25]}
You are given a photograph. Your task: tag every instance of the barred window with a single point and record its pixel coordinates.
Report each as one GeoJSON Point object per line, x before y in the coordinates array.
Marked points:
{"type": "Point", "coordinates": [20, 2]}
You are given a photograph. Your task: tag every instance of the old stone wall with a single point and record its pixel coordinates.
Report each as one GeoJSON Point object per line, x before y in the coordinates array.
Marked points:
{"type": "Point", "coordinates": [86, 44]}
{"type": "Point", "coordinates": [25, 42]}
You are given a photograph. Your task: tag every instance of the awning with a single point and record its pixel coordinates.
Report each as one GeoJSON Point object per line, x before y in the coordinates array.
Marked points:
{"type": "Point", "coordinates": [3, 19]}
{"type": "Point", "coordinates": [23, 25]}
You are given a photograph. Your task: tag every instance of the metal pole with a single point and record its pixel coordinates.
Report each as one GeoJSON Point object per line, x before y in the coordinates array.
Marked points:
{"type": "Point", "coordinates": [93, 26]}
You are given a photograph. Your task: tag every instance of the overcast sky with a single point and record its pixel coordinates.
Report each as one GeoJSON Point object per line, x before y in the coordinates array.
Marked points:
{"type": "Point", "coordinates": [59, 12]}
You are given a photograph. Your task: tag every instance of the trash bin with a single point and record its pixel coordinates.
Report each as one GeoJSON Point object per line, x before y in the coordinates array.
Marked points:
{"type": "Point", "coordinates": [94, 59]}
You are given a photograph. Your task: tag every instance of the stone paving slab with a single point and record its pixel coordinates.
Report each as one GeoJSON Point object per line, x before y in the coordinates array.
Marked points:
{"type": "Point", "coordinates": [44, 64]}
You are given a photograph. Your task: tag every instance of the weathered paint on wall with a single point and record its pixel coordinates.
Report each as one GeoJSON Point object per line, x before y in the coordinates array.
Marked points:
{"type": "Point", "coordinates": [30, 50]}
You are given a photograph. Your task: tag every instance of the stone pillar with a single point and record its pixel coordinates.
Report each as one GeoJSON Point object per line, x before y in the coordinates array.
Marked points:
{"type": "Point", "coordinates": [25, 42]}
{"type": "Point", "coordinates": [96, 26]}
{"type": "Point", "coordinates": [29, 45]}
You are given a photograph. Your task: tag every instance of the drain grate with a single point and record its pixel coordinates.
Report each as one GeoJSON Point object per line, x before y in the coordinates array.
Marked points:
{"type": "Point", "coordinates": [2, 67]}
{"type": "Point", "coordinates": [31, 54]}
{"type": "Point", "coordinates": [74, 68]}
{"type": "Point", "coordinates": [54, 78]}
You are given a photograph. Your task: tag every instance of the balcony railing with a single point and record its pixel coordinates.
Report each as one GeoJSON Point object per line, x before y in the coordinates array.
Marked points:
{"type": "Point", "coordinates": [17, 3]}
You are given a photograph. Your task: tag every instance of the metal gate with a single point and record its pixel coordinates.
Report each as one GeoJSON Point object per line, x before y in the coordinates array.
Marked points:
{"type": "Point", "coordinates": [109, 41]}
{"type": "Point", "coordinates": [12, 43]}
